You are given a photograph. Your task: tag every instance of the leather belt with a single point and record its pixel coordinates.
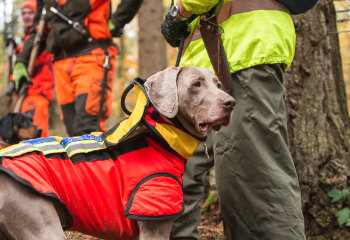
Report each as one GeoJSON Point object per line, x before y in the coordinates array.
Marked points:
{"type": "Point", "coordinates": [242, 6]}
{"type": "Point", "coordinates": [211, 35]}
{"type": "Point", "coordinates": [85, 49]}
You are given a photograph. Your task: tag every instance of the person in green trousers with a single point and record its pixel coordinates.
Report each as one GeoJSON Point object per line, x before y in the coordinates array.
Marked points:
{"type": "Point", "coordinates": [255, 175]}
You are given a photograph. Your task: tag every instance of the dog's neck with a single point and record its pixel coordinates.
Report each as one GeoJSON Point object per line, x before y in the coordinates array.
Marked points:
{"type": "Point", "coordinates": [187, 125]}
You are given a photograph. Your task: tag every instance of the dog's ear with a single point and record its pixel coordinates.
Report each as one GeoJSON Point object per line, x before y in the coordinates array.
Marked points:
{"type": "Point", "coordinates": [162, 91]}
{"type": "Point", "coordinates": [6, 125]}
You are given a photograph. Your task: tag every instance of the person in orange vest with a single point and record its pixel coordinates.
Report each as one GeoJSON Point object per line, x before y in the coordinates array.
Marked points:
{"type": "Point", "coordinates": [80, 39]}
{"type": "Point", "coordinates": [41, 90]}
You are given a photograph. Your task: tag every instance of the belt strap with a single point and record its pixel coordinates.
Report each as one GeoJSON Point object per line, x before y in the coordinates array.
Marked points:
{"type": "Point", "coordinates": [85, 49]}
{"type": "Point", "coordinates": [242, 6]}
{"type": "Point", "coordinates": [211, 35]}
{"type": "Point", "coordinates": [239, 6]}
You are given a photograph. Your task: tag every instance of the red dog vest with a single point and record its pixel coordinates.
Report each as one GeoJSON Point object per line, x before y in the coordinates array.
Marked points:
{"type": "Point", "coordinates": [107, 181]}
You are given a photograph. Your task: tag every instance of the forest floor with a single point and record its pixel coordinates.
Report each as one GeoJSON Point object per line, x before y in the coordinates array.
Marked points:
{"type": "Point", "coordinates": [211, 227]}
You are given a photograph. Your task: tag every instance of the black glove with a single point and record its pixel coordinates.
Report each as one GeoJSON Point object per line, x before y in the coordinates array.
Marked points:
{"type": "Point", "coordinates": [117, 32]}
{"type": "Point", "coordinates": [10, 40]}
{"type": "Point", "coordinates": [173, 31]}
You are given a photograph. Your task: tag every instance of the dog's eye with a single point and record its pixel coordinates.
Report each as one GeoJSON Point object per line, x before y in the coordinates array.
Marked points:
{"type": "Point", "coordinates": [197, 84]}
{"type": "Point", "coordinates": [219, 86]}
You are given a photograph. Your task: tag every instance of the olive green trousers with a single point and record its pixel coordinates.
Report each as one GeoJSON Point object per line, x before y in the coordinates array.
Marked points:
{"type": "Point", "coordinates": [255, 174]}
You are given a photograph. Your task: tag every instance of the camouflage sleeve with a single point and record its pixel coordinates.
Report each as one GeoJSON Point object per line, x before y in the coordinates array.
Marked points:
{"type": "Point", "coordinates": [125, 12]}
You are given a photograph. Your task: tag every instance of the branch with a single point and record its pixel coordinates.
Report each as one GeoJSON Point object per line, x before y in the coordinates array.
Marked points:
{"type": "Point", "coordinates": [343, 20]}
{"type": "Point", "coordinates": [331, 33]}
{"type": "Point", "coordinates": [342, 11]}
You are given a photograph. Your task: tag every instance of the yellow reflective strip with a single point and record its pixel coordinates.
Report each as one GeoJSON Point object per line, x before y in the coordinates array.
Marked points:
{"type": "Point", "coordinates": [9, 148]}
{"type": "Point", "coordinates": [87, 141]}
{"type": "Point", "coordinates": [72, 150]}
{"type": "Point", "coordinates": [45, 144]}
{"type": "Point", "coordinates": [183, 143]}
{"type": "Point", "coordinates": [135, 117]}
{"type": "Point", "coordinates": [46, 152]}
{"type": "Point", "coordinates": [96, 133]}
{"type": "Point", "coordinates": [77, 151]}
{"type": "Point", "coordinates": [12, 153]}
{"type": "Point", "coordinates": [58, 139]}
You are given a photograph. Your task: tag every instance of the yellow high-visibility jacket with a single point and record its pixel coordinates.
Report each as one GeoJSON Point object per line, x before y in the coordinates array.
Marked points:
{"type": "Point", "coordinates": [250, 38]}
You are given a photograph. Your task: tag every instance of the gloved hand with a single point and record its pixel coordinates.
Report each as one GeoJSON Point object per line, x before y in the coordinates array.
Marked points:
{"type": "Point", "coordinates": [10, 40]}
{"type": "Point", "coordinates": [115, 31]}
{"type": "Point", "coordinates": [20, 74]}
{"type": "Point", "coordinates": [173, 31]}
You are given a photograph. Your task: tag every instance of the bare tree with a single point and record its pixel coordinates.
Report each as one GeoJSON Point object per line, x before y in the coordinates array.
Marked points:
{"type": "Point", "coordinates": [152, 51]}
{"type": "Point", "coordinates": [318, 118]}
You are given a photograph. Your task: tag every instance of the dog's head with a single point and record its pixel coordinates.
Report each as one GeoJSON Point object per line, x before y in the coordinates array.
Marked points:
{"type": "Point", "coordinates": [15, 127]}
{"type": "Point", "coordinates": [193, 95]}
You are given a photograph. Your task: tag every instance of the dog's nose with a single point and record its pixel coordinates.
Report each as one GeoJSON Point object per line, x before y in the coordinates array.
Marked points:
{"type": "Point", "coordinates": [38, 132]}
{"type": "Point", "coordinates": [229, 103]}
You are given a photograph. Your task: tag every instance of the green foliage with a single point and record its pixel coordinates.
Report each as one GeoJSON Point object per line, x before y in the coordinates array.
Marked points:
{"type": "Point", "coordinates": [335, 195]}
{"type": "Point", "coordinates": [324, 180]}
{"type": "Point", "coordinates": [210, 200]}
{"type": "Point", "coordinates": [342, 215]}
{"type": "Point", "coordinates": [345, 192]}
{"type": "Point", "coordinates": [323, 218]}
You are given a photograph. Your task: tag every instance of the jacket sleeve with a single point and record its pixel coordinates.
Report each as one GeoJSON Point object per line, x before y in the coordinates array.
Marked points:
{"type": "Point", "coordinates": [24, 55]}
{"type": "Point", "coordinates": [125, 12]}
{"type": "Point", "coordinates": [77, 10]}
{"type": "Point", "coordinates": [199, 6]}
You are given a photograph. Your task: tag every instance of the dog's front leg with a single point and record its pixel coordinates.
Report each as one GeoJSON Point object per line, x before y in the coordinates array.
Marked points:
{"type": "Point", "coordinates": [155, 230]}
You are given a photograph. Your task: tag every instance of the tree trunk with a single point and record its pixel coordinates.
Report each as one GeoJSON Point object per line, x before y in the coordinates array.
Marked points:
{"type": "Point", "coordinates": [318, 120]}
{"type": "Point", "coordinates": [152, 57]}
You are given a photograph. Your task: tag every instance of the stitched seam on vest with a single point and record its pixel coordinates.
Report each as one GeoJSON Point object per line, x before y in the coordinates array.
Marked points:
{"type": "Point", "coordinates": [138, 185]}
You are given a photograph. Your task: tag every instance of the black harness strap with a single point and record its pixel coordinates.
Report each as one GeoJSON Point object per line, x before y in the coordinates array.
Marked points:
{"type": "Point", "coordinates": [126, 91]}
